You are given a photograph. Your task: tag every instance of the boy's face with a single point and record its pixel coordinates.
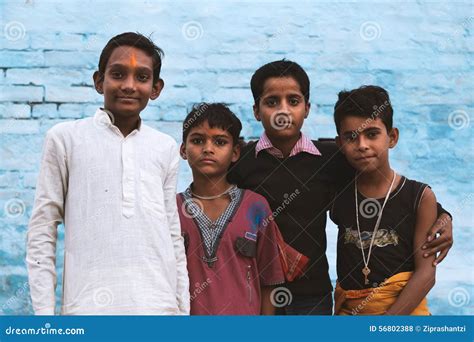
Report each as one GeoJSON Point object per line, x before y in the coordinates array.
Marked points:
{"type": "Point", "coordinates": [209, 151]}
{"type": "Point", "coordinates": [365, 142]}
{"type": "Point", "coordinates": [127, 83]}
{"type": "Point", "coordinates": [282, 108]}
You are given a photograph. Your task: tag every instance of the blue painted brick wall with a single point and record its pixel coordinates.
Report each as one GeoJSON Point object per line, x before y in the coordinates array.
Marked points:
{"type": "Point", "coordinates": [421, 52]}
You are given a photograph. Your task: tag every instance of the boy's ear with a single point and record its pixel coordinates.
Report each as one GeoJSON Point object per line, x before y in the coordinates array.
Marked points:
{"type": "Point", "coordinates": [182, 151]}
{"type": "Point", "coordinates": [157, 88]}
{"type": "Point", "coordinates": [255, 113]}
{"type": "Point", "coordinates": [393, 136]}
{"type": "Point", "coordinates": [236, 153]}
{"type": "Point", "coordinates": [307, 108]}
{"type": "Point", "coordinates": [98, 78]}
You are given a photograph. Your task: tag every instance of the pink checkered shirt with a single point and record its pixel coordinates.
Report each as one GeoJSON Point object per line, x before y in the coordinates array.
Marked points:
{"type": "Point", "coordinates": [304, 144]}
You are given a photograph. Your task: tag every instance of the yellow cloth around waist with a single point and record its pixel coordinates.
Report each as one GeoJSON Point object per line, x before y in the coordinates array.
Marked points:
{"type": "Point", "coordinates": [375, 301]}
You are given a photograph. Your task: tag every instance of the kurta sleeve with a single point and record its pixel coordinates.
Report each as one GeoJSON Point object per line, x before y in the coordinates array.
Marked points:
{"type": "Point", "coordinates": [169, 190]}
{"type": "Point", "coordinates": [48, 213]}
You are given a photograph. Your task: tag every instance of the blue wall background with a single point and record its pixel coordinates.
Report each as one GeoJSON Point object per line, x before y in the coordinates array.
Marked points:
{"type": "Point", "coordinates": [421, 52]}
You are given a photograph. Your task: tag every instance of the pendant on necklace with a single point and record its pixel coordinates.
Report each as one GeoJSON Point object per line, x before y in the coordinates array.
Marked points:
{"type": "Point", "coordinates": [366, 272]}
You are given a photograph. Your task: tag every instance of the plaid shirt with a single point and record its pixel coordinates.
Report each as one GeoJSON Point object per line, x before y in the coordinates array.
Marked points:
{"type": "Point", "coordinates": [211, 230]}
{"type": "Point", "coordinates": [304, 144]}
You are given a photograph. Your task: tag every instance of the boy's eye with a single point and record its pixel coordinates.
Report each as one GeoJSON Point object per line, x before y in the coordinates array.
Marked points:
{"type": "Point", "coordinates": [294, 101]}
{"type": "Point", "coordinates": [372, 134]}
{"type": "Point", "coordinates": [220, 142]}
{"type": "Point", "coordinates": [197, 141]}
{"type": "Point", "coordinates": [270, 102]}
{"type": "Point", "coordinates": [116, 74]}
{"type": "Point", "coordinates": [143, 77]}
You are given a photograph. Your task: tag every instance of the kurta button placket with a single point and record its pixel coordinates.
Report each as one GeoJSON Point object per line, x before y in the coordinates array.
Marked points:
{"type": "Point", "coordinates": [128, 177]}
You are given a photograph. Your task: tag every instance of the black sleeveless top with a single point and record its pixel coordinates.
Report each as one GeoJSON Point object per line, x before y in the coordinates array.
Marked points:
{"type": "Point", "coordinates": [392, 251]}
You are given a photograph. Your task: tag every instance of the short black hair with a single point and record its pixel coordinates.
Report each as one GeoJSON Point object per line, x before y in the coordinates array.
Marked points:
{"type": "Point", "coordinates": [368, 101]}
{"type": "Point", "coordinates": [283, 68]}
{"type": "Point", "coordinates": [138, 41]}
{"type": "Point", "coordinates": [216, 115]}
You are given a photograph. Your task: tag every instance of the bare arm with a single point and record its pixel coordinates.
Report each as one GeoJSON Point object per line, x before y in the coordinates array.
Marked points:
{"type": "Point", "coordinates": [423, 278]}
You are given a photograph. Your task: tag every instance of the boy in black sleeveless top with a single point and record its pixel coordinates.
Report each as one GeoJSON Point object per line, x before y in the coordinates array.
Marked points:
{"type": "Point", "coordinates": [383, 217]}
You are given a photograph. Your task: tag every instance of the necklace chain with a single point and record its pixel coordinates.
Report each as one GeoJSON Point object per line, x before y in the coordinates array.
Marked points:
{"type": "Point", "coordinates": [366, 269]}
{"type": "Point", "coordinates": [232, 187]}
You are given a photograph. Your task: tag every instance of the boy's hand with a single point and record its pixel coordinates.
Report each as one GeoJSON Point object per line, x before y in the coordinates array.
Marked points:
{"type": "Point", "coordinates": [443, 243]}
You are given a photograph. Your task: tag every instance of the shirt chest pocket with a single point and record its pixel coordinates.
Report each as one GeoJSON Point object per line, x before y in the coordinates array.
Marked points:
{"type": "Point", "coordinates": [246, 247]}
{"type": "Point", "coordinates": [151, 191]}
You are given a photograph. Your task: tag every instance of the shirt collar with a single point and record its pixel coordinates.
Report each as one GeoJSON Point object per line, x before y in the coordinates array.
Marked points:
{"type": "Point", "coordinates": [304, 144]}
{"type": "Point", "coordinates": [104, 119]}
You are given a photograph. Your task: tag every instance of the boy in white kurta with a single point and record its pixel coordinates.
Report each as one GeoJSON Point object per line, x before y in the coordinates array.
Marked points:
{"type": "Point", "coordinates": [112, 181]}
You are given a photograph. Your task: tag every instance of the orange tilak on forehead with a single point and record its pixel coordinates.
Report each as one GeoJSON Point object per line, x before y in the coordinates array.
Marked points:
{"type": "Point", "coordinates": [133, 60]}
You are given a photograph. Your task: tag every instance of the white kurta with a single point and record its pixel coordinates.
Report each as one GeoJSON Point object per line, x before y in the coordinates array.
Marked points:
{"type": "Point", "coordinates": [124, 253]}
